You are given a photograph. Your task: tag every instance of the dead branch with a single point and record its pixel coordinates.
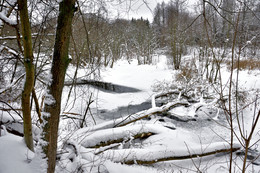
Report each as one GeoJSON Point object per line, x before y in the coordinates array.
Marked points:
{"type": "Point", "coordinates": [71, 113]}
{"type": "Point", "coordinates": [90, 101]}
{"type": "Point", "coordinates": [38, 110]}
{"type": "Point", "coordinates": [160, 110]}
{"type": "Point", "coordinates": [12, 109]}
{"type": "Point", "coordinates": [9, 109]}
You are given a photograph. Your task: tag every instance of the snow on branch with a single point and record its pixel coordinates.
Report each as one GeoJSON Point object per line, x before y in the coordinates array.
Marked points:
{"type": "Point", "coordinates": [8, 38]}
{"type": "Point", "coordinates": [153, 150]}
{"type": "Point", "coordinates": [3, 90]}
{"type": "Point", "coordinates": [151, 111]}
{"type": "Point", "coordinates": [34, 35]}
{"type": "Point", "coordinates": [7, 20]}
{"type": "Point", "coordinates": [9, 50]}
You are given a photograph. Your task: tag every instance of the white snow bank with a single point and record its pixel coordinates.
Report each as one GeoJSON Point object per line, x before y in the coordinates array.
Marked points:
{"type": "Point", "coordinates": [133, 75]}
{"type": "Point", "coordinates": [150, 154]}
{"type": "Point", "coordinates": [95, 138]}
{"type": "Point", "coordinates": [6, 19]}
{"type": "Point", "coordinates": [119, 168]}
{"type": "Point", "coordinates": [139, 76]}
{"type": "Point", "coordinates": [15, 156]}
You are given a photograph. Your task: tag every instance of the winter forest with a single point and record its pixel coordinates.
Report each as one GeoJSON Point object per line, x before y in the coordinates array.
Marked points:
{"type": "Point", "coordinates": [85, 89]}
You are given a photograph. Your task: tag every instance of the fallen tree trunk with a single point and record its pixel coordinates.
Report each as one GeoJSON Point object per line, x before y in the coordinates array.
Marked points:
{"type": "Point", "coordinates": [126, 139]}
{"type": "Point", "coordinates": [152, 154]}
{"type": "Point", "coordinates": [147, 162]}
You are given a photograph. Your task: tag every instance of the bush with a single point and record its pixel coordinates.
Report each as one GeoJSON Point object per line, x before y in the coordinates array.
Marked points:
{"type": "Point", "coordinates": [246, 64]}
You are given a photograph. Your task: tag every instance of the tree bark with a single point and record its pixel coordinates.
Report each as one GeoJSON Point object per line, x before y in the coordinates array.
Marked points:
{"type": "Point", "coordinates": [60, 63]}
{"type": "Point", "coordinates": [29, 68]}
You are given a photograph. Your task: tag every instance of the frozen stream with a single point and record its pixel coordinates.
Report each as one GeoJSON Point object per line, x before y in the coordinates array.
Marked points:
{"type": "Point", "coordinates": [111, 104]}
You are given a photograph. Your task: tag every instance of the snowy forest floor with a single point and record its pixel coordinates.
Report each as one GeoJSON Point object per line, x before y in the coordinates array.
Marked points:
{"type": "Point", "coordinates": [172, 125]}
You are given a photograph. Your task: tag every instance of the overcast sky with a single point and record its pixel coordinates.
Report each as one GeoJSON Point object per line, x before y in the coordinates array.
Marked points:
{"type": "Point", "coordinates": [137, 8]}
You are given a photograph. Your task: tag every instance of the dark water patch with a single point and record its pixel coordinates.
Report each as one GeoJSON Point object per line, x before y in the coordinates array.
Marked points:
{"type": "Point", "coordinates": [124, 110]}
{"type": "Point", "coordinates": [252, 155]}
{"type": "Point", "coordinates": [104, 86]}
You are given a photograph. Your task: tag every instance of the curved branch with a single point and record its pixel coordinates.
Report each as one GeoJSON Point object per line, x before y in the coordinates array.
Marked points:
{"type": "Point", "coordinates": [12, 109]}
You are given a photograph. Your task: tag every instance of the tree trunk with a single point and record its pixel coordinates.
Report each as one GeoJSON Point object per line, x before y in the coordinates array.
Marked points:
{"type": "Point", "coordinates": [60, 63]}
{"type": "Point", "coordinates": [29, 68]}
{"type": "Point", "coordinates": [147, 161]}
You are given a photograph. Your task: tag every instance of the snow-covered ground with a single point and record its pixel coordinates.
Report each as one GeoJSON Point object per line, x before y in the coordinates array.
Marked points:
{"type": "Point", "coordinates": [14, 155]}
{"type": "Point", "coordinates": [190, 137]}
{"type": "Point", "coordinates": [138, 76]}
